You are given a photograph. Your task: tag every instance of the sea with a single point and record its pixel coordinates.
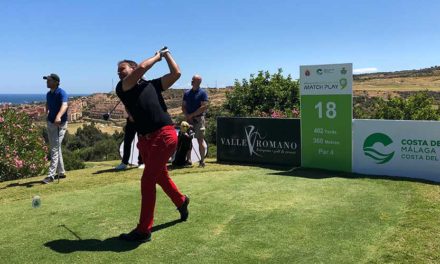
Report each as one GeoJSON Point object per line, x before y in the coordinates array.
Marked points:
{"type": "Point", "coordinates": [27, 98]}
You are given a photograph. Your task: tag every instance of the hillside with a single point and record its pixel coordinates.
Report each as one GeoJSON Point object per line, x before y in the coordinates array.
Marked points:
{"type": "Point", "coordinates": [399, 83]}
{"type": "Point", "coordinates": [383, 84]}
{"type": "Point", "coordinates": [380, 84]}
{"type": "Point", "coordinates": [173, 98]}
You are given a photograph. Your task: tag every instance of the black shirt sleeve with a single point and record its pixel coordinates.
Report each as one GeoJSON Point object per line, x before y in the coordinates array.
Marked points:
{"type": "Point", "coordinates": [157, 83]}
{"type": "Point", "coordinates": [119, 89]}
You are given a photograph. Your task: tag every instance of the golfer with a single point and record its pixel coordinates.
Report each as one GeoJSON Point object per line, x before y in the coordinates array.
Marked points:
{"type": "Point", "coordinates": [157, 137]}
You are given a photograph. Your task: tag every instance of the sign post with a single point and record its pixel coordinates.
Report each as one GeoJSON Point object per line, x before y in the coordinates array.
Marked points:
{"type": "Point", "coordinates": [326, 116]}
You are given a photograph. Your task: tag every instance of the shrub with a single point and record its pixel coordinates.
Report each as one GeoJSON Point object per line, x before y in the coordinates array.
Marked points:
{"type": "Point", "coordinates": [22, 148]}
{"type": "Point", "coordinates": [212, 151]}
{"type": "Point", "coordinates": [418, 106]}
{"type": "Point", "coordinates": [263, 93]}
{"type": "Point", "coordinates": [72, 160]}
{"type": "Point", "coordinates": [85, 137]}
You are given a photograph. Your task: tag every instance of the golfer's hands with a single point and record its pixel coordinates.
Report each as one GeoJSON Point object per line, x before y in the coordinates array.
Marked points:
{"type": "Point", "coordinates": [57, 121]}
{"type": "Point", "coordinates": [158, 56]}
{"type": "Point", "coordinates": [164, 51]}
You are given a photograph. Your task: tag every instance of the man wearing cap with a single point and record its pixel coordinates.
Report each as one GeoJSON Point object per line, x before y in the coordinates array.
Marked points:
{"type": "Point", "coordinates": [56, 109]}
{"type": "Point", "coordinates": [157, 136]}
{"type": "Point", "coordinates": [194, 106]}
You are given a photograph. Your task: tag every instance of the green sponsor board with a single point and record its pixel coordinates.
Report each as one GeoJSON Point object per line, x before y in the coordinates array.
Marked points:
{"type": "Point", "coordinates": [326, 132]}
{"type": "Point", "coordinates": [326, 117]}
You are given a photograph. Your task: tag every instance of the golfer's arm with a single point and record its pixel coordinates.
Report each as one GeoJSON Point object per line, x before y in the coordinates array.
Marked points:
{"type": "Point", "coordinates": [170, 78]}
{"type": "Point", "coordinates": [131, 80]}
{"type": "Point", "coordinates": [62, 111]}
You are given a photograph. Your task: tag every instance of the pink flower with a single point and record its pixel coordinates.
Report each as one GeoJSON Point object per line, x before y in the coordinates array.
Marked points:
{"type": "Point", "coordinates": [2, 119]}
{"type": "Point", "coordinates": [295, 112]}
{"type": "Point", "coordinates": [18, 163]}
{"type": "Point", "coordinates": [276, 114]}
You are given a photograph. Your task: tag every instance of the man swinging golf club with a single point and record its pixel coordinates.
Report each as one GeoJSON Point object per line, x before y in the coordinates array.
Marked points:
{"type": "Point", "coordinates": [157, 136]}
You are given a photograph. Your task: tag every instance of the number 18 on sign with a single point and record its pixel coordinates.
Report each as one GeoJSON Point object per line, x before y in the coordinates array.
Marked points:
{"type": "Point", "coordinates": [326, 116]}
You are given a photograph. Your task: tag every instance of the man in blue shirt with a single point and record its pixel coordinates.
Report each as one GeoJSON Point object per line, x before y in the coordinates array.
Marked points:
{"type": "Point", "coordinates": [56, 109]}
{"type": "Point", "coordinates": [194, 106]}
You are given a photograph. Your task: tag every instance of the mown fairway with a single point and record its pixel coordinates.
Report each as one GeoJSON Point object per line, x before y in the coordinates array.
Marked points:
{"type": "Point", "coordinates": [238, 214]}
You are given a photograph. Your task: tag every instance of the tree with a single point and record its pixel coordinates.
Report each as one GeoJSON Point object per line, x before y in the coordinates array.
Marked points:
{"type": "Point", "coordinates": [85, 137]}
{"type": "Point", "coordinates": [263, 94]}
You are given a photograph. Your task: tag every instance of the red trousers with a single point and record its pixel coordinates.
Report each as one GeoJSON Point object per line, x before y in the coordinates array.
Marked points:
{"type": "Point", "coordinates": [156, 149]}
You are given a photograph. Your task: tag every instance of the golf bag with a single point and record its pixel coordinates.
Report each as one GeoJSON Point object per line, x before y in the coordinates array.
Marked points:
{"type": "Point", "coordinates": [184, 145]}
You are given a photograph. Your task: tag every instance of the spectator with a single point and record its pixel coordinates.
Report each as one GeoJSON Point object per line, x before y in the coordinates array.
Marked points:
{"type": "Point", "coordinates": [194, 106]}
{"type": "Point", "coordinates": [56, 109]}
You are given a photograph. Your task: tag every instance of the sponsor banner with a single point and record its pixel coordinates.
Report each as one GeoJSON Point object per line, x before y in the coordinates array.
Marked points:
{"type": "Point", "coordinates": [326, 79]}
{"type": "Point", "coordinates": [397, 148]}
{"type": "Point", "coordinates": [326, 116]}
{"type": "Point", "coordinates": [259, 140]}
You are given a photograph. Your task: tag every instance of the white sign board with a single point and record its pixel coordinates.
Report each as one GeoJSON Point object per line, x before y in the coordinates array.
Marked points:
{"type": "Point", "coordinates": [397, 148]}
{"type": "Point", "coordinates": [326, 79]}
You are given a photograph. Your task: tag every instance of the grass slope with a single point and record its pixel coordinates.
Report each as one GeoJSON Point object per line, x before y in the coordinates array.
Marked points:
{"type": "Point", "coordinates": [238, 214]}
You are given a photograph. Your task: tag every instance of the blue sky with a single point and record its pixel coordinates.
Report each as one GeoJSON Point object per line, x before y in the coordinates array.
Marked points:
{"type": "Point", "coordinates": [221, 40]}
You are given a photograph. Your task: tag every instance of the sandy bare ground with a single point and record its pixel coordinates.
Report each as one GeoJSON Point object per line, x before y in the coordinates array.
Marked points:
{"type": "Point", "coordinates": [392, 86]}
{"type": "Point", "coordinates": [105, 128]}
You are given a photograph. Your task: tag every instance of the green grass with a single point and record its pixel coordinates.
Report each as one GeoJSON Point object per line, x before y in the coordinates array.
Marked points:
{"type": "Point", "coordinates": [238, 214]}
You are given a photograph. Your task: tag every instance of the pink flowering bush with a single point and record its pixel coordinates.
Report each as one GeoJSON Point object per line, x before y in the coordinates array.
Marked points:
{"type": "Point", "coordinates": [22, 147]}
{"type": "Point", "coordinates": [275, 113]}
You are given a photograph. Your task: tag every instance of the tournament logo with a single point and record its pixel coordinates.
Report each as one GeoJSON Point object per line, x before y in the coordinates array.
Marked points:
{"type": "Point", "coordinates": [377, 156]}
{"type": "Point", "coordinates": [307, 73]}
{"type": "Point", "coordinates": [343, 82]}
{"type": "Point", "coordinates": [343, 71]}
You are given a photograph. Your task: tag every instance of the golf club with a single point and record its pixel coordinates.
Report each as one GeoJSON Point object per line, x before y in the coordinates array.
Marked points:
{"type": "Point", "coordinates": [59, 155]}
{"type": "Point", "coordinates": [106, 116]}
{"type": "Point", "coordinates": [165, 48]}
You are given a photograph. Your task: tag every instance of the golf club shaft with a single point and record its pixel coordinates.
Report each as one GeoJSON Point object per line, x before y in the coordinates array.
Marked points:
{"type": "Point", "coordinates": [114, 107]}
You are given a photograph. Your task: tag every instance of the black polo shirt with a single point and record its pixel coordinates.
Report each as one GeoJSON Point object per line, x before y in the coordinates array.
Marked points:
{"type": "Point", "coordinates": [146, 105]}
